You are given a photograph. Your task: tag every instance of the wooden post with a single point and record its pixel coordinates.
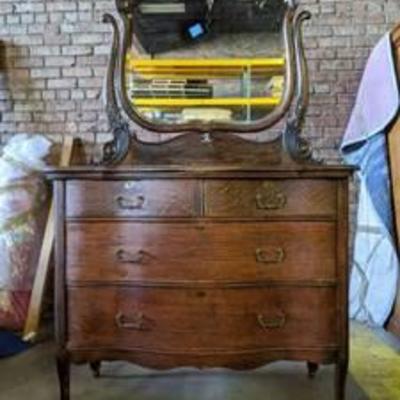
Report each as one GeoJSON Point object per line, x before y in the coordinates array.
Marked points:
{"type": "Point", "coordinates": [35, 307]}
{"type": "Point", "coordinates": [394, 160]}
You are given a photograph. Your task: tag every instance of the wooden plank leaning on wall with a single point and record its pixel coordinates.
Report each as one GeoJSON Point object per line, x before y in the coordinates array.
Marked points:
{"type": "Point", "coordinates": [394, 158]}
{"type": "Point", "coordinates": [35, 307]}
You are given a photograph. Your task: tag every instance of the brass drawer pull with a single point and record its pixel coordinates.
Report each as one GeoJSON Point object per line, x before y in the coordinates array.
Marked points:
{"type": "Point", "coordinates": [126, 257]}
{"type": "Point", "coordinates": [271, 323]}
{"type": "Point", "coordinates": [270, 197]}
{"type": "Point", "coordinates": [135, 322]}
{"type": "Point", "coordinates": [131, 202]}
{"type": "Point", "coordinates": [273, 255]}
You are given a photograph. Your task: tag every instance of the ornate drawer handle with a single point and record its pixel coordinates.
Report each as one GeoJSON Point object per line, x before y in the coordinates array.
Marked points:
{"type": "Point", "coordinates": [273, 255]}
{"type": "Point", "coordinates": [126, 257]}
{"type": "Point", "coordinates": [270, 198]}
{"type": "Point", "coordinates": [130, 203]}
{"type": "Point", "coordinates": [271, 323]}
{"type": "Point", "coordinates": [136, 322]}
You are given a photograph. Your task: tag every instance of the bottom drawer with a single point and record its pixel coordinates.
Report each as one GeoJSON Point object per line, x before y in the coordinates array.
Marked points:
{"type": "Point", "coordinates": [171, 319]}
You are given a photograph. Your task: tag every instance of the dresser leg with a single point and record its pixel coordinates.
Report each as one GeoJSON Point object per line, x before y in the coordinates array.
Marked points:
{"type": "Point", "coordinates": [95, 367]}
{"type": "Point", "coordinates": [63, 369]}
{"type": "Point", "coordinates": [341, 377]}
{"type": "Point", "coordinates": [312, 369]}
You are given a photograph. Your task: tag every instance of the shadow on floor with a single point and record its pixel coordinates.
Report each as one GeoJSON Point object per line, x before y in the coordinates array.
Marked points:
{"type": "Point", "coordinates": [375, 366]}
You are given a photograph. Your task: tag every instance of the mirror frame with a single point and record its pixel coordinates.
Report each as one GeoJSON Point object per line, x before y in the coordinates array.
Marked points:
{"type": "Point", "coordinates": [296, 84]}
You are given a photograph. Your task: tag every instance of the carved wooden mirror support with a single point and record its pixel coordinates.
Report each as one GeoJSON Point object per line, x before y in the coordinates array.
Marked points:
{"type": "Point", "coordinates": [292, 106]}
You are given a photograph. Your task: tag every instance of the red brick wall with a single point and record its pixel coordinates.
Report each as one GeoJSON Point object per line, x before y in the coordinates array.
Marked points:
{"type": "Point", "coordinates": [54, 55]}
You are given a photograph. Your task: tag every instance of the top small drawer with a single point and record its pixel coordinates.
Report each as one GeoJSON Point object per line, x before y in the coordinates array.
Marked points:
{"type": "Point", "coordinates": [133, 198]}
{"type": "Point", "coordinates": [262, 198]}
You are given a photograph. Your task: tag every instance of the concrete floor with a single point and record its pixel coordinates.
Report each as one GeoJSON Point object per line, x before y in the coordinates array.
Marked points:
{"type": "Point", "coordinates": [375, 364]}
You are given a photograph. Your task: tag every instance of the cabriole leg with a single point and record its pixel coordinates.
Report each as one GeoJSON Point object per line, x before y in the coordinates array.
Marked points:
{"type": "Point", "coordinates": [63, 369]}
{"type": "Point", "coordinates": [341, 377]}
{"type": "Point", "coordinates": [95, 367]}
{"type": "Point", "coordinates": [312, 369]}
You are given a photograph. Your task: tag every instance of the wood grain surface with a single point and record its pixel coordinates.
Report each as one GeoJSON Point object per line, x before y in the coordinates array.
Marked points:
{"type": "Point", "coordinates": [202, 267]}
{"type": "Point", "coordinates": [268, 197]}
{"type": "Point", "coordinates": [132, 198]}
{"type": "Point", "coordinates": [394, 159]}
{"type": "Point", "coordinates": [199, 319]}
{"type": "Point", "coordinates": [168, 252]}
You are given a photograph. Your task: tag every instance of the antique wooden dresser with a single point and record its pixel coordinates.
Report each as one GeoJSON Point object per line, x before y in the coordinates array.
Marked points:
{"type": "Point", "coordinates": [207, 250]}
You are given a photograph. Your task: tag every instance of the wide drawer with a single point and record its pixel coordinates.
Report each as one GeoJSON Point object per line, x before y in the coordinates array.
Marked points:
{"type": "Point", "coordinates": [263, 198]}
{"type": "Point", "coordinates": [138, 198]}
{"type": "Point", "coordinates": [199, 319]}
{"type": "Point", "coordinates": [136, 251]}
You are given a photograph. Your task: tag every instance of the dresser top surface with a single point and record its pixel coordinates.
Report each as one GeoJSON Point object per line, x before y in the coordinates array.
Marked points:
{"type": "Point", "coordinates": [171, 171]}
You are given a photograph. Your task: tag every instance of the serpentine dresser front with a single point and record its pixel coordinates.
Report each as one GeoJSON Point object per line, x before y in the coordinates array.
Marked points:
{"type": "Point", "coordinates": [192, 266]}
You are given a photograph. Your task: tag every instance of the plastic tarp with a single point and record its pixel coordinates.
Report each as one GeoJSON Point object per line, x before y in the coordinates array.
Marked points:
{"type": "Point", "coordinates": [23, 196]}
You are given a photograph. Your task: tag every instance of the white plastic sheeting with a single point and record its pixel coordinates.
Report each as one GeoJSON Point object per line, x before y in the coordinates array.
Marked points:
{"type": "Point", "coordinates": [22, 197]}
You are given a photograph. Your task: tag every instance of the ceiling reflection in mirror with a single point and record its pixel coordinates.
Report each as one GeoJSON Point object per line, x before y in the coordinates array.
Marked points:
{"type": "Point", "coordinates": [206, 60]}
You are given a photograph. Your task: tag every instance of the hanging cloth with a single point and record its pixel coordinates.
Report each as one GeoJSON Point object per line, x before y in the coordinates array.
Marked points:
{"type": "Point", "coordinates": [375, 264]}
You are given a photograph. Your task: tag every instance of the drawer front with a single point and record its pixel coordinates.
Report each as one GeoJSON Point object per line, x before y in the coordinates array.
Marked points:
{"type": "Point", "coordinates": [136, 251]}
{"type": "Point", "coordinates": [140, 198]}
{"type": "Point", "coordinates": [263, 198]}
{"type": "Point", "coordinates": [178, 320]}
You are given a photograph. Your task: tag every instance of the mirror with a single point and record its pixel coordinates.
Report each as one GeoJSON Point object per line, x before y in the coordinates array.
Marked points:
{"type": "Point", "coordinates": [206, 62]}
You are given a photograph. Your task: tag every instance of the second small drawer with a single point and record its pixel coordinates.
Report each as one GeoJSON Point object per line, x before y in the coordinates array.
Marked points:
{"type": "Point", "coordinates": [260, 198]}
